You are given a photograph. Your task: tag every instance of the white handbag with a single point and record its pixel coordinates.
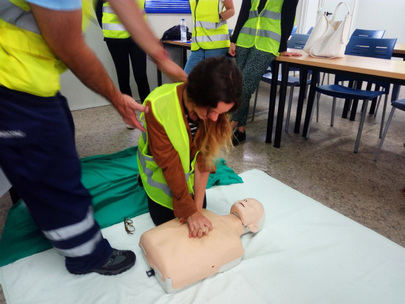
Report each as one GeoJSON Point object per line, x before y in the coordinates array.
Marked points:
{"type": "Point", "coordinates": [329, 37]}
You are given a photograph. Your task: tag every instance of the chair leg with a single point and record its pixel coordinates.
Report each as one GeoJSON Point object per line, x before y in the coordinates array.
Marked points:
{"type": "Point", "coordinates": [377, 153]}
{"type": "Point", "coordinates": [363, 118]}
{"type": "Point", "coordinates": [332, 115]}
{"type": "Point", "coordinates": [287, 123]}
{"type": "Point", "coordinates": [254, 105]}
{"type": "Point", "coordinates": [383, 115]}
{"type": "Point", "coordinates": [377, 106]}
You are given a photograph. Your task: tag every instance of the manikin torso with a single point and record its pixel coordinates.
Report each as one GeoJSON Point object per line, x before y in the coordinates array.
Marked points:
{"type": "Point", "coordinates": [179, 261]}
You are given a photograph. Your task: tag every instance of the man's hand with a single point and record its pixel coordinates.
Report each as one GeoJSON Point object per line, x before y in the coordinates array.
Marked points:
{"type": "Point", "coordinates": [198, 225]}
{"type": "Point", "coordinates": [290, 54]}
{"type": "Point", "coordinates": [127, 107]}
{"type": "Point", "coordinates": [232, 49]}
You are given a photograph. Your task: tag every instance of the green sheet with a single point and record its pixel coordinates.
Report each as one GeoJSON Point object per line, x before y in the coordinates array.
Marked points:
{"type": "Point", "coordinates": [112, 180]}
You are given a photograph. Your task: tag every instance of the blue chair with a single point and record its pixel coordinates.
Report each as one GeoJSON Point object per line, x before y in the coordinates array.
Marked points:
{"type": "Point", "coordinates": [296, 41]}
{"type": "Point", "coordinates": [294, 29]}
{"type": "Point", "coordinates": [310, 30]}
{"type": "Point", "coordinates": [356, 33]}
{"type": "Point", "coordinates": [368, 33]}
{"type": "Point", "coordinates": [396, 104]}
{"type": "Point", "coordinates": [368, 47]}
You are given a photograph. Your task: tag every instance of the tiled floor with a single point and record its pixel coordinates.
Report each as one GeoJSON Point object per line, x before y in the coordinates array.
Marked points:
{"type": "Point", "coordinates": [323, 167]}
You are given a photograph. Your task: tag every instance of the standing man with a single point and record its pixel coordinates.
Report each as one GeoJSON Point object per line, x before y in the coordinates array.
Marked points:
{"type": "Point", "coordinates": [38, 40]}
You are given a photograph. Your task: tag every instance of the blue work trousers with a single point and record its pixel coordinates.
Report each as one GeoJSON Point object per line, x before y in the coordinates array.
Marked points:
{"type": "Point", "coordinates": [38, 155]}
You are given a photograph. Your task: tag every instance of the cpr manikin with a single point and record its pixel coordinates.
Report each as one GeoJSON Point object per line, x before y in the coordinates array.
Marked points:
{"type": "Point", "coordinates": [179, 261]}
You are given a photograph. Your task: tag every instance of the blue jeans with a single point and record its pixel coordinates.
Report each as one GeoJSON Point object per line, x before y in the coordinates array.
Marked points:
{"type": "Point", "coordinates": [201, 54]}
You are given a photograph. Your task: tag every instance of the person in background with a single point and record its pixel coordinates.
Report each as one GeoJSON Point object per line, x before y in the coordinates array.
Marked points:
{"type": "Point", "coordinates": [38, 40]}
{"type": "Point", "coordinates": [186, 125]}
{"type": "Point", "coordinates": [260, 35]}
{"type": "Point", "coordinates": [122, 48]}
{"type": "Point", "coordinates": [210, 31]}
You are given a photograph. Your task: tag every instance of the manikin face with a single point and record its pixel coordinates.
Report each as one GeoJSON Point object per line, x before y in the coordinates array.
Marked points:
{"type": "Point", "coordinates": [251, 213]}
{"type": "Point", "coordinates": [213, 113]}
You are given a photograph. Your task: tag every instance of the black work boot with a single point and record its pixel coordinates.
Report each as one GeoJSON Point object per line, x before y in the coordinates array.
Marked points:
{"type": "Point", "coordinates": [118, 261]}
{"type": "Point", "coordinates": [238, 137]}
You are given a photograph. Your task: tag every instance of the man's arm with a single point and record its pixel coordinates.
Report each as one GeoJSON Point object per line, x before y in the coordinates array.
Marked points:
{"type": "Point", "coordinates": [132, 18]}
{"type": "Point", "coordinates": [63, 33]}
{"type": "Point", "coordinates": [229, 10]}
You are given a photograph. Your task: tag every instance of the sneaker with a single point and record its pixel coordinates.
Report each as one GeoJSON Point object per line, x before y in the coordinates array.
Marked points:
{"type": "Point", "coordinates": [238, 137]}
{"type": "Point", "coordinates": [130, 127]}
{"type": "Point", "coordinates": [118, 262]}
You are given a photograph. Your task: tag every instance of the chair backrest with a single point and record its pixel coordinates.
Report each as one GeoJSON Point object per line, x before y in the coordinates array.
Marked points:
{"type": "Point", "coordinates": [371, 47]}
{"type": "Point", "coordinates": [310, 30]}
{"type": "Point", "coordinates": [297, 41]}
{"type": "Point", "coordinates": [368, 47]}
{"type": "Point", "coordinates": [368, 33]}
{"type": "Point", "coordinates": [294, 29]}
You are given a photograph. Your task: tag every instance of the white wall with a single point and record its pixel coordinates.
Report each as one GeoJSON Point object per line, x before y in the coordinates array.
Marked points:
{"type": "Point", "coordinates": [368, 14]}
{"type": "Point", "coordinates": [387, 15]}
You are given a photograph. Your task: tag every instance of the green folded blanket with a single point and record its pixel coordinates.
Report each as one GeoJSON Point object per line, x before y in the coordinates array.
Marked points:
{"type": "Point", "coordinates": [112, 180]}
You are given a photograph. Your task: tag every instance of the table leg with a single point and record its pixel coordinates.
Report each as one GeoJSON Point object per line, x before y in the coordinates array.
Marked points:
{"type": "Point", "coordinates": [159, 77]}
{"type": "Point", "coordinates": [301, 97]}
{"type": "Point", "coordinates": [272, 101]}
{"type": "Point", "coordinates": [281, 103]}
{"type": "Point", "coordinates": [310, 103]}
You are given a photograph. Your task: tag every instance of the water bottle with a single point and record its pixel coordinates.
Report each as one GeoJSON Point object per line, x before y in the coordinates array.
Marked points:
{"type": "Point", "coordinates": [183, 30]}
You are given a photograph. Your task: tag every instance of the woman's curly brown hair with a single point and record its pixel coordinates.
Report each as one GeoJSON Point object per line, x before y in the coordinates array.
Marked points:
{"type": "Point", "coordinates": [211, 81]}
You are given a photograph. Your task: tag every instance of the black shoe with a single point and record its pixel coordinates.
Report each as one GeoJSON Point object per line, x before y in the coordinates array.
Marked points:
{"type": "Point", "coordinates": [118, 261]}
{"type": "Point", "coordinates": [238, 137]}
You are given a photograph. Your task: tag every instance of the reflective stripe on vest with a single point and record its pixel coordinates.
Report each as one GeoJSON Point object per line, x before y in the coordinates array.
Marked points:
{"type": "Point", "coordinates": [26, 62]}
{"type": "Point", "coordinates": [262, 31]}
{"type": "Point", "coordinates": [209, 32]}
{"type": "Point", "coordinates": [112, 26]}
{"type": "Point", "coordinates": [15, 15]}
{"type": "Point", "coordinates": [166, 108]}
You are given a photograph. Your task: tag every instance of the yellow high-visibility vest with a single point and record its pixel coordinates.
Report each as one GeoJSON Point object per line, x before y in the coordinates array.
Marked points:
{"type": "Point", "coordinates": [263, 31]}
{"type": "Point", "coordinates": [26, 62]}
{"type": "Point", "coordinates": [209, 32]}
{"type": "Point", "coordinates": [166, 108]}
{"type": "Point", "coordinates": [112, 26]}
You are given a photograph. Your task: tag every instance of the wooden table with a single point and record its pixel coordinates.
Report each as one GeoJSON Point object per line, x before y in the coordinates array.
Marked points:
{"type": "Point", "coordinates": [363, 68]}
{"type": "Point", "coordinates": [184, 46]}
{"type": "Point", "coordinates": [399, 51]}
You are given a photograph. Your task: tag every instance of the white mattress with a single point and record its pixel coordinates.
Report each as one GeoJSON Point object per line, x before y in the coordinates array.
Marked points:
{"type": "Point", "coordinates": [306, 253]}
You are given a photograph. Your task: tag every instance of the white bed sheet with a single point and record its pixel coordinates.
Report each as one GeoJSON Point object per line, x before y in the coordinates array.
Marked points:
{"type": "Point", "coordinates": [306, 253]}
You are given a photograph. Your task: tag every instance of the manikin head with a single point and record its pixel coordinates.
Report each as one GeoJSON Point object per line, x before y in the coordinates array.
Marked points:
{"type": "Point", "coordinates": [250, 212]}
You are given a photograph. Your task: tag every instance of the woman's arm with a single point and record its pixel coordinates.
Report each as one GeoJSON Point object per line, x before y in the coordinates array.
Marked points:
{"type": "Point", "coordinates": [243, 16]}
{"type": "Point", "coordinates": [229, 10]}
{"type": "Point", "coordinates": [200, 184]}
{"type": "Point", "coordinates": [287, 22]}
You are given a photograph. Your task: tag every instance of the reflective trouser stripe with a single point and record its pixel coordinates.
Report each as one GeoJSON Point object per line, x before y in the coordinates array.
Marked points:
{"type": "Point", "coordinates": [211, 38]}
{"type": "Point", "coordinates": [261, 33]}
{"type": "Point", "coordinates": [13, 14]}
{"type": "Point", "coordinates": [210, 25]}
{"type": "Point", "coordinates": [113, 27]}
{"type": "Point", "coordinates": [71, 231]}
{"type": "Point", "coordinates": [83, 249]}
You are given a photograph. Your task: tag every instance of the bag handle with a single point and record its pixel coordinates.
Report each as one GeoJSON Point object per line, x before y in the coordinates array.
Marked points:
{"type": "Point", "coordinates": [337, 8]}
